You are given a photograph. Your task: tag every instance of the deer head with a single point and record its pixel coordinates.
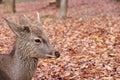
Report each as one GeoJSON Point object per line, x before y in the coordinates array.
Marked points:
{"type": "Point", "coordinates": [31, 40]}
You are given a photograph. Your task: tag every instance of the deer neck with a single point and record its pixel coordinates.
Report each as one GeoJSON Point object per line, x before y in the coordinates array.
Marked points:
{"type": "Point", "coordinates": [23, 63]}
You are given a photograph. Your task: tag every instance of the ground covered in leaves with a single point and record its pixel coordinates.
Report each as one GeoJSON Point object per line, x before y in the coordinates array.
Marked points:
{"type": "Point", "coordinates": [89, 39]}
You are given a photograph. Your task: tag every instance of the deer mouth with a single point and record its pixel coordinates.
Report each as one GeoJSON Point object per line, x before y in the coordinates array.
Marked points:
{"type": "Point", "coordinates": [50, 56]}
{"type": "Point", "coordinates": [55, 55]}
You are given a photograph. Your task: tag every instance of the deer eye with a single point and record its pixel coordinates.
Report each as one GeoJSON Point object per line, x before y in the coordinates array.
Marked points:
{"type": "Point", "coordinates": [38, 40]}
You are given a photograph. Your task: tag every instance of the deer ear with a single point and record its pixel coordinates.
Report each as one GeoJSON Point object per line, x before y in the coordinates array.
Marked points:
{"type": "Point", "coordinates": [26, 29]}
{"type": "Point", "coordinates": [24, 20]}
{"type": "Point", "coordinates": [14, 27]}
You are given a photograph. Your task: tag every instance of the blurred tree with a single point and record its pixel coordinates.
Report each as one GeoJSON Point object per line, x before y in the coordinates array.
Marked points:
{"type": "Point", "coordinates": [58, 3]}
{"type": "Point", "coordinates": [118, 0]}
{"type": "Point", "coordinates": [9, 6]}
{"type": "Point", "coordinates": [52, 2]}
{"type": "Point", "coordinates": [63, 9]}
{"type": "Point", "coordinates": [0, 1]}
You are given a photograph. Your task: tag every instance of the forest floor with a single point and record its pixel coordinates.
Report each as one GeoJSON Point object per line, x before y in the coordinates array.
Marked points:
{"type": "Point", "coordinates": [89, 39]}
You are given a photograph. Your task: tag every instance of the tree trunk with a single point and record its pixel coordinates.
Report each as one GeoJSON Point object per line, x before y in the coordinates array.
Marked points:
{"type": "Point", "coordinates": [58, 3]}
{"type": "Point", "coordinates": [0, 1]}
{"type": "Point", "coordinates": [9, 6]}
{"type": "Point", "coordinates": [63, 9]}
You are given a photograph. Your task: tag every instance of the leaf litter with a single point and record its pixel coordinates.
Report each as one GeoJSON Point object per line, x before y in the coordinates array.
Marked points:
{"type": "Point", "coordinates": [89, 39]}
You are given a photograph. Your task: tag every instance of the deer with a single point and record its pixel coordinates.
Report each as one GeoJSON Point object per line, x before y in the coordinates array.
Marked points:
{"type": "Point", "coordinates": [31, 44]}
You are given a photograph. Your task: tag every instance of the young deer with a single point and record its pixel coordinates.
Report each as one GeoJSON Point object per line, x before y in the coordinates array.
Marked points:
{"type": "Point", "coordinates": [31, 44]}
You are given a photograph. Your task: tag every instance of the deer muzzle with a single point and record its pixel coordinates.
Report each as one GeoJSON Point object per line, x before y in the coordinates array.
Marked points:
{"type": "Point", "coordinates": [54, 54]}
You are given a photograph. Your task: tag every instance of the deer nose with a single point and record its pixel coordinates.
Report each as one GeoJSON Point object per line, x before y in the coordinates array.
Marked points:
{"type": "Point", "coordinates": [57, 54]}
